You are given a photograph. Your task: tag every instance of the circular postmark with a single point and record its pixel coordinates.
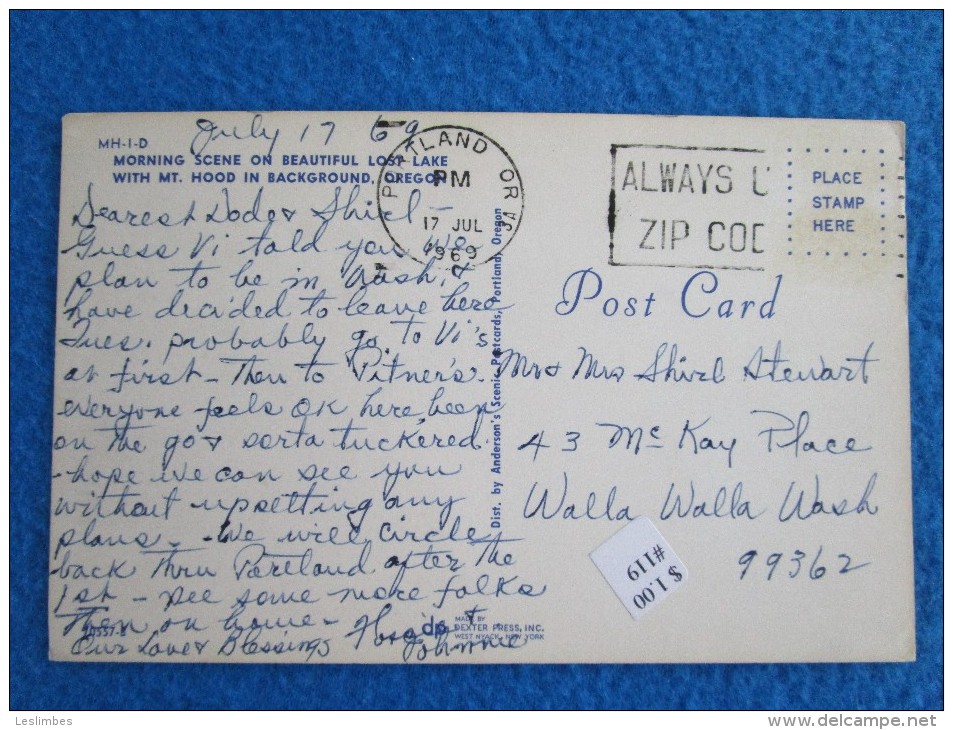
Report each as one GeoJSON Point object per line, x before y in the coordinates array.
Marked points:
{"type": "Point", "coordinates": [450, 196]}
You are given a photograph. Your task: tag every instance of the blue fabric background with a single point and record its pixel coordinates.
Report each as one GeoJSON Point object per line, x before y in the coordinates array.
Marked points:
{"type": "Point", "coordinates": [845, 65]}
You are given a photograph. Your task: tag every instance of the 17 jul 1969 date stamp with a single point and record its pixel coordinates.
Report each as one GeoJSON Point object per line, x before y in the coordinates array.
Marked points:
{"type": "Point", "coordinates": [450, 194]}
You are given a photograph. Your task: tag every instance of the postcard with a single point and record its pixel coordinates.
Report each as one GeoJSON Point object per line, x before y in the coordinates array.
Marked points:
{"type": "Point", "coordinates": [405, 387]}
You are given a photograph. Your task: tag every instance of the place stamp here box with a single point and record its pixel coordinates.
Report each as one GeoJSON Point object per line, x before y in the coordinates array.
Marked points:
{"type": "Point", "coordinates": [393, 387]}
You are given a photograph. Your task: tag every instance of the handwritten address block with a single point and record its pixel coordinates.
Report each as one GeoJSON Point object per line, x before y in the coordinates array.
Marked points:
{"type": "Point", "coordinates": [372, 387]}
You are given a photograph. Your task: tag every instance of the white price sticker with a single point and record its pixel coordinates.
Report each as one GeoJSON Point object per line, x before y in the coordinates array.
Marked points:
{"type": "Point", "coordinates": [640, 566]}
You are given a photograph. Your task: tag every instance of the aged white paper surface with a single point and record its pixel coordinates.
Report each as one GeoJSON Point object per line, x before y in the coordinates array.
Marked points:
{"type": "Point", "coordinates": [373, 387]}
